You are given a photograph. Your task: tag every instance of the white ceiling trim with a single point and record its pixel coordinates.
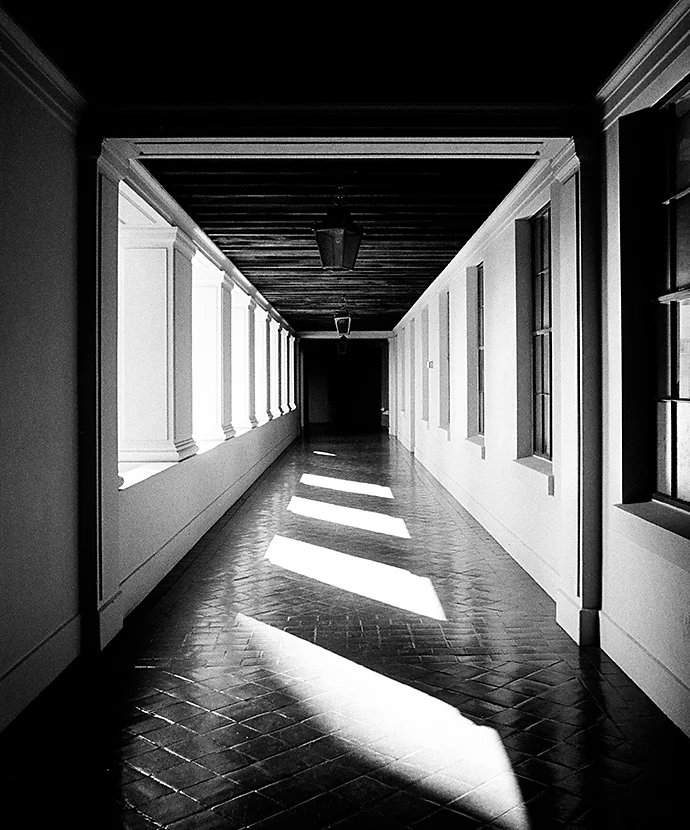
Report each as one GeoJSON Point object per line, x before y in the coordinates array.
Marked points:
{"type": "Point", "coordinates": [346, 148]}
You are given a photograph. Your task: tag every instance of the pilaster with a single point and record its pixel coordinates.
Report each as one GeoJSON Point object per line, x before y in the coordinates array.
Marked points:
{"type": "Point", "coordinates": [155, 345]}
{"type": "Point", "coordinates": [211, 352]}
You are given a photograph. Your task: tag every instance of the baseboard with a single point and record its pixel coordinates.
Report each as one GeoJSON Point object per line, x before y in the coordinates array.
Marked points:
{"type": "Point", "coordinates": [541, 572]}
{"type": "Point", "coordinates": [582, 624]}
{"type": "Point", "coordinates": [37, 670]}
{"type": "Point", "coordinates": [667, 690]}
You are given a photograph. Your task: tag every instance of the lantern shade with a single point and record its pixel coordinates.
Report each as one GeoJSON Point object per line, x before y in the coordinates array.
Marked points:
{"type": "Point", "coordinates": [342, 324]}
{"type": "Point", "coordinates": [338, 238]}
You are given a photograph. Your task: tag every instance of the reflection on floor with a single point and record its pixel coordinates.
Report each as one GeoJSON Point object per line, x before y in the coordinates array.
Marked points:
{"type": "Point", "coordinates": [268, 685]}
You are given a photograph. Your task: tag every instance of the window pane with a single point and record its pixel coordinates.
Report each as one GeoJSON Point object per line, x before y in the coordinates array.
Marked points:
{"type": "Point", "coordinates": [546, 301]}
{"type": "Point", "coordinates": [663, 454]}
{"type": "Point", "coordinates": [663, 350]}
{"type": "Point", "coordinates": [683, 451]}
{"type": "Point", "coordinates": [538, 424]}
{"type": "Point", "coordinates": [682, 232]}
{"type": "Point", "coordinates": [547, 361]}
{"type": "Point", "coordinates": [538, 301]}
{"type": "Point", "coordinates": [547, 425]}
{"type": "Point", "coordinates": [684, 350]}
{"type": "Point", "coordinates": [683, 153]}
{"type": "Point", "coordinates": [538, 364]}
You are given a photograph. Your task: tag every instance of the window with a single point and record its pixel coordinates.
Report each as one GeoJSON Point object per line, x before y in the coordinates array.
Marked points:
{"type": "Point", "coordinates": [480, 350]}
{"type": "Point", "coordinates": [425, 363]}
{"type": "Point", "coordinates": [541, 333]}
{"type": "Point", "coordinates": [444, 359]}
{"type": "Point", "coordinates": [673, 320]}
{"type": "Point", "coordinates": [476, 415]}
{"type": "Point", "coordinates": [403, 371]}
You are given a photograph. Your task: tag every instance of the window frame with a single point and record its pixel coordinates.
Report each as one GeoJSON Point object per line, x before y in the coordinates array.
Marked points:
{"type": "Point", "coordinates": [670, 295]}
{"type": "Point", "coordinates": [541, 323]}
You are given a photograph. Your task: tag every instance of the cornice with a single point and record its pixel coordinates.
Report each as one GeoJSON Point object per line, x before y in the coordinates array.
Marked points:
{"type": "Point", "coordinates": [24, 61]}
{"type": "Point", "coordinates": [513, 207]}
{"type": "Point", "coordinates": [666, 43]}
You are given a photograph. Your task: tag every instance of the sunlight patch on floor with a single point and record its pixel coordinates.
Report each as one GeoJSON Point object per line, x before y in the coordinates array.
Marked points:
{"type": "Point", "coordinates": [376, 580]}
{"type": "Point", "coordinates": [347, 486]}
{"type": "Point", "coordinates": [349, 516]}
{"type": "Point", "coordinates": [431, 745]}
{"type": "Point", "coordinates": [321, 452]}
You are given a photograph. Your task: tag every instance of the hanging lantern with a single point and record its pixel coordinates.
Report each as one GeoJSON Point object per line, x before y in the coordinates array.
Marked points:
{"type": "Point", "coordinates": [338, 238]}
{"type": "Point", "coordinates": [342, 325]}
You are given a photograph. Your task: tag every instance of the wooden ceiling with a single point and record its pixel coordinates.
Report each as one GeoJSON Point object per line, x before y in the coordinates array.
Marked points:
{"type": "Point", "coordinates": [416, 215]}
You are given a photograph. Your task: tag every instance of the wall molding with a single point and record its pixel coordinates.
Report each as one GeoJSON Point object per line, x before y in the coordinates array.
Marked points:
{"type": "Point", "coordinates": [514, 206]}
{"type": "Point", "coordinates": [642, 71]}
{"type": "Point", "coordinates": [24, 61]}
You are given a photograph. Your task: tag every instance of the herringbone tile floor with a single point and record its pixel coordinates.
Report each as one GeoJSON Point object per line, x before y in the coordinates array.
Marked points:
{"type": "Point", "coordinates": [329, 658]}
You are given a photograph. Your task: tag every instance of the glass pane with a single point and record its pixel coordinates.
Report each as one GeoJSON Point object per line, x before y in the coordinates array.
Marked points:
{"type": "Point", "coordinates": [683, 349]}
{"type": "Point", "coordinates": [683, 153]}
{"type": "Point", "coordinates": [537, 300]}
{"type": "Point", "coordinates": [538, 425]}
{"type": "Point", "coordinates": [546, 301]}
{"type": "Point", "coordinates": [547, 362]}
{"type": "Point", "coordinates": [537, 367]}
{"type": "Point", "coordinates": [537, 244]}
{"type": "Point", "coordinates": [682, 232]}
{"type": "Point", "coordinates": [663, 449]}
{"type": "Point", "coordinates": [683, 451]}
{"type": "Point", "coordinates": [663, 360]}
{"type": "Point", "coordinates": [546, 403]}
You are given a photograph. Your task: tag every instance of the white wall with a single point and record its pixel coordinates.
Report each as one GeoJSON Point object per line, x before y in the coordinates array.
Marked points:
{"type": "Point", "coordinates": [148, 526]}
{"type": "Point", "coordinates": [645, 620]}
{"type": "Point", "coordinates": [39, 614]}
{"type": "Point", "coordinates": [162, 517]}
{"type": "Point", "coordinates": [509, 498]}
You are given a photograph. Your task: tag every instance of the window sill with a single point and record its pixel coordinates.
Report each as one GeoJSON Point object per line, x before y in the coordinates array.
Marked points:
{"type": "Point", "coordinates": [478, 441]}
{"type": "Point", "coordinates": [540, 467]}
{"type": "Point", "coordinates": [656, 526]}
{"type": "Point", "coordinates": [674, 519]}
{"type": "Point", "coordinates": [132, 472]}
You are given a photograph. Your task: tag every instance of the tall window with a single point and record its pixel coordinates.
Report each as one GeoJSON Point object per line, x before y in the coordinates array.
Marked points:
{"type": "Point", "coordinates": [480, 350]}
{"type": "Point", "coordinates": [673, 310]}
{"type": "Point", "coordinates": [425, 363]}
{"type": "Point", "coordinates": [403, 371]}
{"type": "Point", "coordinates": [541, 333]}
{"type": "Point", "coordinates": [444, 359]}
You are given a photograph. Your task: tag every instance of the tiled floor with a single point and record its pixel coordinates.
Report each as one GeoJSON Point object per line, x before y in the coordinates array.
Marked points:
{"type": "Point", "coordinates": [326, 658]}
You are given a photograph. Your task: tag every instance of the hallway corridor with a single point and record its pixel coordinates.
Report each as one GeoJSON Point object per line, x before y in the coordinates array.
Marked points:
{"type": "Point", "coordinates": [346, 648]}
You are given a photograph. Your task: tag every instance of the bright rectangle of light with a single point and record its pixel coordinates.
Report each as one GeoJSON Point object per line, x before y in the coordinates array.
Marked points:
{"type": "Point", "coordinates": [376, 580]}
{"type": "Point", "coordinates": [375, 715]}
{"type": "Point", "coordinates": [321, 452]}
{"type": "Point", "coordinates": [347, 486]}
{"type": "Point", "coordinates": [349, 516]}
